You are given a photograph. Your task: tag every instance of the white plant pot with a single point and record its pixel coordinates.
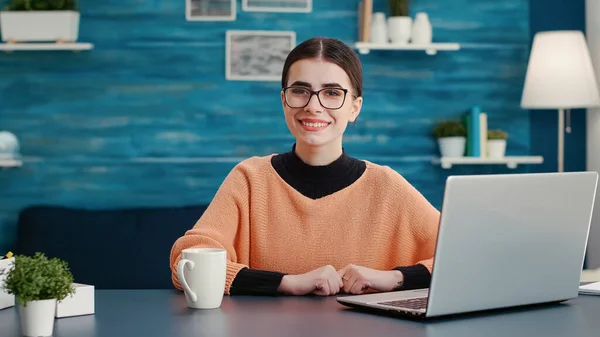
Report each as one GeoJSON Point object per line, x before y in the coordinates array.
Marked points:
{"type": "Point", "coordinates": [37, 318]}
{"type": "Point", "coordinates": [452, 146]}
{"type": "Point", "coordinates": [496, 148]}
{"type": "Point", "coordinates": [399, 29]}
{"type": "Point", "coordinates": [39, 26]}
{"type": "Point", "coordinates": [421, 29]}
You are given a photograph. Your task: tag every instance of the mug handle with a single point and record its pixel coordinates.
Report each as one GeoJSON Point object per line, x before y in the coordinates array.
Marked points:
{"type": "Point", "coordinates": [190, 265]}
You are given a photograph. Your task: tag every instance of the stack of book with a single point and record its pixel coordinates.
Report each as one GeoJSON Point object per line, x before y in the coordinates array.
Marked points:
{"type": "Point", "coordinates": [477, 127]}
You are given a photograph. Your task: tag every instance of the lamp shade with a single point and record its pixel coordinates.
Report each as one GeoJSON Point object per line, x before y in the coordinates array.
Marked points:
{"type": "Point", "coordinates": [560, 74]}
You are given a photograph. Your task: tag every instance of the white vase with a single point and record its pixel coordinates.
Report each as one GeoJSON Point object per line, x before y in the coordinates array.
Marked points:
{"type": "Point", "coordinates": [422, 32]}
{"type": "Point", "coordinates": [379, 28]}
{"type": "Point", "coordinates": [9, 145]}
{"type": "Point", "coordinates": [452, 146]}
{"type": "Point", "coordinates": [496, 148]}
{"type": "Point", "coordinates": [399, 29]}
{"type": "Point", "coordinates": [37, 318]}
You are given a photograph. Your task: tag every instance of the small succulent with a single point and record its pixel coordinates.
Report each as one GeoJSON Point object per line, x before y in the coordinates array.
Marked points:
{"type": "Point", "coordinates": [449, 128]}
{"type": "Point", "coordinates": [398, 7]}
{"type": "Point", "coordinates": [497, 134]}
{"type": "Point", "coordinates": [41, 5]}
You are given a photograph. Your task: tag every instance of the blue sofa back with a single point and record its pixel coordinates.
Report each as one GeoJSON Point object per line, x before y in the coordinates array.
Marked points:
{"type": "Point", "coordinates": [110, 249]}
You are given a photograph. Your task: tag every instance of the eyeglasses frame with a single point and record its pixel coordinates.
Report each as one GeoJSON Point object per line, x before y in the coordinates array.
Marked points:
{"type": "Point", "coordinates": [316, 93]}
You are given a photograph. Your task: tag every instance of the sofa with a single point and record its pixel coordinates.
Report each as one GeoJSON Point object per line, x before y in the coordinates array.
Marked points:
{"type": "Point", "coordinates": [110, 249]}
{"type": "Point", "coordinates": [119, 248]}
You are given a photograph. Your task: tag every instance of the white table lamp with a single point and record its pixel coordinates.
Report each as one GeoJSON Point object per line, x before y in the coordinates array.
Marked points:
{"type": "Point", "coordinates": [560, 76]}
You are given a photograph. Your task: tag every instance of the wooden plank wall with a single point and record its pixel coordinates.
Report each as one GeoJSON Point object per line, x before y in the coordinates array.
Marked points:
{"type": "Point", "coordinates": [147, 118]}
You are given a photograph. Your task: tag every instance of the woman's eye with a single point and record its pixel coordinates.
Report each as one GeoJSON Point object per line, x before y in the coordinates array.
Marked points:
{"type": "Point", "coordinates": [298, 91]}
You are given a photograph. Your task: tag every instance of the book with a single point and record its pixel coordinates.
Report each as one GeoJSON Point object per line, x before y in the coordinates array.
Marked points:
{"type": "Point", "coordinates": [365, 21]}
{"type": "Point", "coordinates": [467, 122]}
{"type": "Point", "coordinates": [474, 130]}
{"type": "Point", "coordinates": [590, 289]}
{"type": "Point", "coordinates": [483, 129]}
{"type": "Point", "coordinates": [361, 20]}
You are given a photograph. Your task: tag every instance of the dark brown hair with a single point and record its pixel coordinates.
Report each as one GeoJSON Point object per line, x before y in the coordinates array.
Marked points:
{"type": "Point", "coordinates": [329, 49]}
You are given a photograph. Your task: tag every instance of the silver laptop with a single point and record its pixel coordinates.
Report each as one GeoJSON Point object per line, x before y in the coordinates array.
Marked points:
{"type": "Point", "coordinates": [504, 241]}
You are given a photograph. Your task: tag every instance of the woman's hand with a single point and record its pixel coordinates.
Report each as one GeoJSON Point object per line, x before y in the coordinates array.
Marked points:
{"type": "Point", "coordinates": [359, 280]}
{"type": "Point", "coordinates": [323, 281]}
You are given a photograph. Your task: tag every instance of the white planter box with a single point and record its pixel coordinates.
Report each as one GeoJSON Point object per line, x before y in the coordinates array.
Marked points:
{"type": "Point", "coordinates": [6, 300]}
{"type": "Point", "coordinates": [81, 303]}
{"type": "Point", "coordinates": [39, 26]}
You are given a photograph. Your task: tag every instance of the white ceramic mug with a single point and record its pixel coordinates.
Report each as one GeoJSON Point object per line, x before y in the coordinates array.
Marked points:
{"type": "Point", "coordinates": [202, 273]}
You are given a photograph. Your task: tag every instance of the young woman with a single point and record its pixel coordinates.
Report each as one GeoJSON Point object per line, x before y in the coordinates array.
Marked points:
{"type": "Point", "coordinates": [316, 220]}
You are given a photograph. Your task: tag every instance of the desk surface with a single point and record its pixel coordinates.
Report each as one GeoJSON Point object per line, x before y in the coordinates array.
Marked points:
{"type": "Point", "coordinates": [164, 313]}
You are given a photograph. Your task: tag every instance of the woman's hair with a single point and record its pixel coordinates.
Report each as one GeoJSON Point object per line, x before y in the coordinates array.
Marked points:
{"type": "Point", "coordinates": [328, 49]}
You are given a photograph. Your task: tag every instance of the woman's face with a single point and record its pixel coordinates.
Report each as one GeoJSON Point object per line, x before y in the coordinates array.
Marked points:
{"type": "Point", "coordinates": [315, 124]}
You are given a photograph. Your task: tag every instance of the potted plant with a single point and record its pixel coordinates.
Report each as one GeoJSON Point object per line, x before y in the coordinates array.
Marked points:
{"type": "Point", "coordinates": [399, 22]}
{"type": "Point", "coordinates": [496, 143]}
{"type": "Point", "coordinates": [452, 138]}
{"type": "Point", "coordinates": [38, 283]}
{"type": "Point", "coordinates": [39, 21]}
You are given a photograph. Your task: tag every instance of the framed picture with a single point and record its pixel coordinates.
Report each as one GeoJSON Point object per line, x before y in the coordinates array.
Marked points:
{"type": "Point", "coordinates": [289, 6]}
{"type": "Point", "coordinates": [257, 55]}
{"type": "Point", "coordinates": [210, 10]}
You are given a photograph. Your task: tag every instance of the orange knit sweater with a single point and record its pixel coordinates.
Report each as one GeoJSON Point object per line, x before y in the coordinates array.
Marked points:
{"type": "Point", "coordinates": [380, 222]}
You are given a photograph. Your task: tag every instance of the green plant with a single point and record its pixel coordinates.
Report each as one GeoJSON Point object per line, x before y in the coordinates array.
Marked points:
{"type": "Point", "coordinates": [449, 128]}
{"type": "Point", "coordinates": [398, 7]}
{"type": "Point", "coordinates": [38, 278]}
{"type": "Point", "coordinates": [497, 134]}
{"type": "Point", "coordinates": [41, 5]}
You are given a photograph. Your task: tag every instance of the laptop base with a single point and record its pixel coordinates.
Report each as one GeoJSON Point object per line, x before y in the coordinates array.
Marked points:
{"type": "Point", "coordinates": [422, 316]}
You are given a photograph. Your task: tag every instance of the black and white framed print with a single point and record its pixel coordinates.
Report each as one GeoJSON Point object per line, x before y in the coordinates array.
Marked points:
{"type": "Point", "coordinates": [257, 55]}
{"type": "Point", "coordinates": [210, 10]}
{"type": "Point", "coordinates": [289, 6]}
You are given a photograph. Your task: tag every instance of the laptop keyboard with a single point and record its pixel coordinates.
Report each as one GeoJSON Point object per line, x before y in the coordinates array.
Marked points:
{"type": "Point", "coordinates": [409, 303]}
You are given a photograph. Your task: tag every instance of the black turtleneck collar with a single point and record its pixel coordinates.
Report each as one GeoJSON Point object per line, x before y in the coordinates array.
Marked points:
{"type": "Point", "coordinates": [317, 181]}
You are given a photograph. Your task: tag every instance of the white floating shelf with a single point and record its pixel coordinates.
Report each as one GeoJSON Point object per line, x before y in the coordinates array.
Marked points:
{"type": "Point", "coordinates": [6, 163]}
{"type": "Point", "coordinates": [511, 162]}
{"type": "Point", "coordinates": [430, 49]}
{"type": "Point", "coordinates": [9, 47]}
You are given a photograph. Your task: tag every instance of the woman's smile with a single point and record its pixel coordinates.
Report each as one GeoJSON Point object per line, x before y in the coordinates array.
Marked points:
{"type": "Point", "coordinates": [311, 124]}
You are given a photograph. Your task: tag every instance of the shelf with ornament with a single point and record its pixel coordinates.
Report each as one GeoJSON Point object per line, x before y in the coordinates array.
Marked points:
{"type": "Point", "coordinates": [398, 31]}
{"type": "Point", "coordinates": [10, 162]}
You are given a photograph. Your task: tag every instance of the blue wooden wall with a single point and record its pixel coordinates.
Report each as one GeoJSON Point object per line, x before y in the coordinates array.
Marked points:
{"type": "Point", "coordinates": [148, 119]}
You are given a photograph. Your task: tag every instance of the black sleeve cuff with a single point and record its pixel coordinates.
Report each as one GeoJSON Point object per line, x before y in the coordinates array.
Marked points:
{"type": "Point", "coordinates": [415, 277]}
{"type": "Point", "coordinates": [256, 282]}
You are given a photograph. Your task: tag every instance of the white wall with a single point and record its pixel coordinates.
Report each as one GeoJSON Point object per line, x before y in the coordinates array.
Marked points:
{"type": "Point", "coordinates": [593, 128]}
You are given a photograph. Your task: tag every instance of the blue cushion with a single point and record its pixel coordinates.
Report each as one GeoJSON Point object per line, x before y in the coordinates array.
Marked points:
{"type": "Point", "coordinates": [110, 249]}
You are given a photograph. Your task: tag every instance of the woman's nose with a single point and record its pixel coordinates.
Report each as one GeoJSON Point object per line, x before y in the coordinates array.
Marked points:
{"type": "Point", "coordinates": [314, 105]}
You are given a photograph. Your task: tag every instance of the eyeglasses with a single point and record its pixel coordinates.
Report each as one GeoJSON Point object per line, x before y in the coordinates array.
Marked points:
{"type": "Point", "coordinates": [329, 98]}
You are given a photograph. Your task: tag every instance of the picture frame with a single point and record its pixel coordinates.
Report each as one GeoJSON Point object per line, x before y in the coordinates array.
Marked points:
{"type": "Point", "coordinates": [210, 10]}
{"type": "Point", "coordinates": [257, 55]}
{"type": "Point", "coordinates": [280, 6]}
